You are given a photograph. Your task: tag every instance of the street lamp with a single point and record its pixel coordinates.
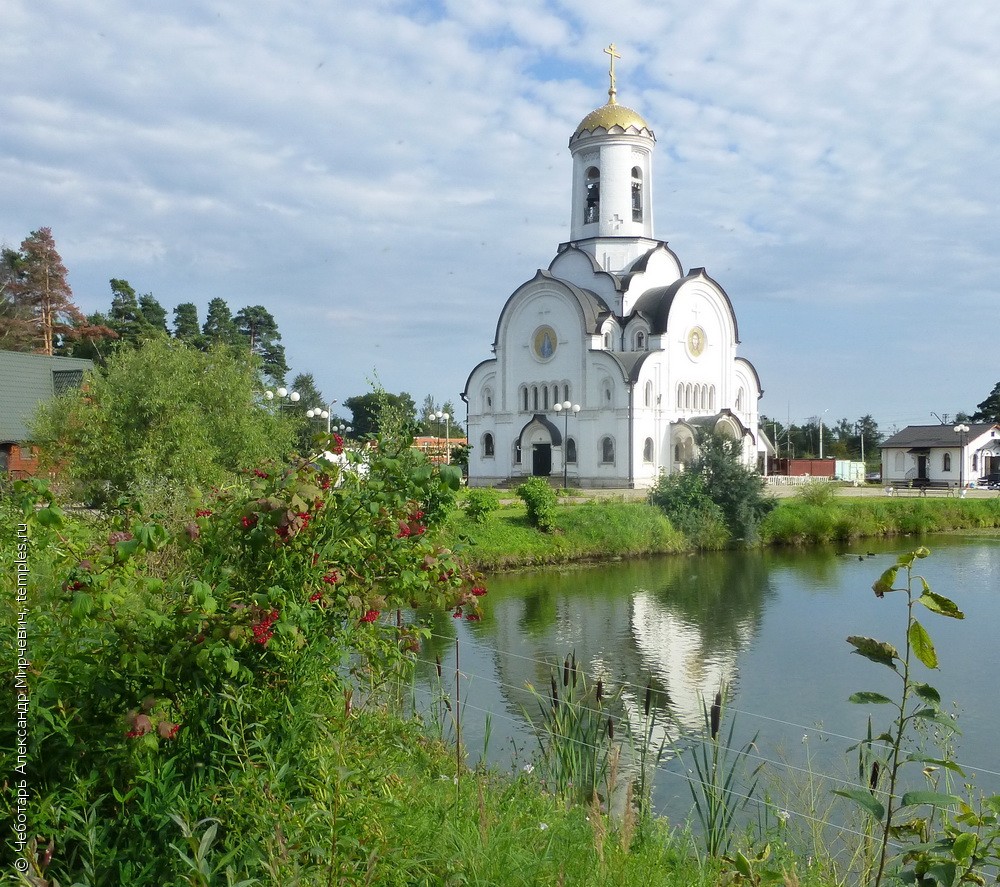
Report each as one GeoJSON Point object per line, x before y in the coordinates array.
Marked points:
{"type": "Point", "coordinates": [961, 430]}
{"type": "Point", "coordinates": [442, 416]}
{"type": "Point", "coordinates": [566, 407]}
{"type": "Point", "coordinates": [283, 395]}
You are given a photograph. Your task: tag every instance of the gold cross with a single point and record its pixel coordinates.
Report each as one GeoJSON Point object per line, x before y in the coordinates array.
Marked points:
{"type": "Point", "coordinates": [611, 71]}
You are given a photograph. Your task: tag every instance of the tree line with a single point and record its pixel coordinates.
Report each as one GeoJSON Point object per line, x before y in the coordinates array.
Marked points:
{"type": "Point", "coordinates": [38, 314]}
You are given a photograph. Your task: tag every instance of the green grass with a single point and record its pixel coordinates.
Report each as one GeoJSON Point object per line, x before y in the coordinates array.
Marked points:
{"type": "Point", "coordinates": [602, 529]}
{"type": "Point", "coordinates": [592, 531]}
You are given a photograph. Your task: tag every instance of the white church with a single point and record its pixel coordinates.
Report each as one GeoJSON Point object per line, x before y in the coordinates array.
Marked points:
{"type": "Point", "coordinates": [608, 362]}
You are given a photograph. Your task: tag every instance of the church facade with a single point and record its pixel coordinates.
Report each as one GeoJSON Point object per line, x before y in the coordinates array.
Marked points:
{"type": "Point", "coordinates": [607, 363]}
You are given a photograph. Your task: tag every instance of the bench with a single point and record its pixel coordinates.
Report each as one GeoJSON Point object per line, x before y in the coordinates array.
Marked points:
{"type": "Point", "coordinates": [919, 487]}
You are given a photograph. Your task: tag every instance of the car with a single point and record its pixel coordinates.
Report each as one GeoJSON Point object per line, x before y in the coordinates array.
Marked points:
{"type": "Point", "coordinates": [874, 477]}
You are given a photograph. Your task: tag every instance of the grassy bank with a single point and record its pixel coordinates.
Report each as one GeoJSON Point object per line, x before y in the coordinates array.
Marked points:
{"type": "Point", "coordinates": [798, 520]}
{"type": "Point", "coordinates": [594, 530]}
{"type": "Point", "coordinates": [600, 530]}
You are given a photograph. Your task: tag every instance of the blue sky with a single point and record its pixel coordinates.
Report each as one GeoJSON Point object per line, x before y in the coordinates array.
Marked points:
{"type": "Point", "coordinates": [383, 175]}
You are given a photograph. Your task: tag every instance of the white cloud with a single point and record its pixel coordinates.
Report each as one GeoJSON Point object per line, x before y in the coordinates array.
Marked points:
{"type": "Point", "coordinates": [383, 175]}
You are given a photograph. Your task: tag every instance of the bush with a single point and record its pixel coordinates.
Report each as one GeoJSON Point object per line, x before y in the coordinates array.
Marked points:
{"type": "Point", "coordinates": [540, 500]}
{"type": "Point", "coordinates": [481, 502]}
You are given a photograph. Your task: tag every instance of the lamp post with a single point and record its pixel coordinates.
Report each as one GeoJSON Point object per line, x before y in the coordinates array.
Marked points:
{"type": "Point", "coordinates": [440, 416]}
{"type": "Point", "coordinates": [283, 394]}
{"type": "Point", "coordinates": [566, 407]}
{"type": "Point", "coordinates": [961, 430]}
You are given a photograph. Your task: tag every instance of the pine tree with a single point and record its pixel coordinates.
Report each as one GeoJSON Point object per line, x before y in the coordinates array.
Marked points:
{"type": "Point", "coordinates": [40, 293]}
{"type": "Point", "coordinates": [186, 328]}
{"type": "Point", "coordinates": [219, 326]}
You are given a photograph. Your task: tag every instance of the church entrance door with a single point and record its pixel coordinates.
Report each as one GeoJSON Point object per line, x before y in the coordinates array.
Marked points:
{"type": "Point", "coordinates": [541, 460]}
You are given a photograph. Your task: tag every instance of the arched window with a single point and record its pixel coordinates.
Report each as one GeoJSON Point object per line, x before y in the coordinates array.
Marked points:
{"type": "Point", "coordinates": [648, 393]}
{"type": "Point", "coordinates": [647, 450]}
{"type": "Point", "coordinates": [487, 446]}
{"type": "Point", "coordinates": [555, 394]}
{"type": "Point", "coordinates": [704, 397]}
{"type": "Point", "coordinates": [946, 462]}
{"type": "Point", "coordinates": [607, 341]}
{"type": "Point", "coordinates": [607, 450]}
{"type": "Point", "coordinates": [739, 401]}
{"type": "Point", "coordinates": [545, 397]}
{"type": "Point", "coordinates": [565, 392]}
{"type": "Point", "coordinates": [570, 451]}
{"type": "Point", "coordinates": [487, 400]}
{"type": "Point", "coordinates": [687, 396]}
{"type": "Point", "coordinates": [711, 398]}
{"type": "Point", "coordinates": [636, 194]}
{"type": "Point", "coordinates": [607, 392]}
{"type": "Point", "coordinates": [899, 462]}
{"type": "Point", "coordinates": [592, 196]}
{"type": "Point", "coordinates": [534, 397]}
{"type": "Point", "coordinates": [680, 395]}
{"type": "Point", "coordinates": [524, 397]}
{"type": "Point", "coordinates": [517, 453]}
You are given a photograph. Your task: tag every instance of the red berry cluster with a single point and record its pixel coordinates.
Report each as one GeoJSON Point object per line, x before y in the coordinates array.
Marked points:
{"type": "Point", "coordinates": [249, 521]}
{"type": "Point", "coordinates": [478, 591]}
{"type": "Point", "coordinates": [370, 616]}
{"type": "Point", "coordinates": [332, 578]}
{"type": "Point", "coordinates": [203, 512]}
{"type": "Point", "coordinates": [263, 631]}
{"type": "Point", "coordinates": [337, 446]}
{"type": "Point", "coordinates": [258, 473]}
{"type": "Point", "coordinates": [412, 526]}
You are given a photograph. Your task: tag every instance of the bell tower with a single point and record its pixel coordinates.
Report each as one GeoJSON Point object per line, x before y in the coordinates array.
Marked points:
{"type": "Point", "coordinates": [612, 206]}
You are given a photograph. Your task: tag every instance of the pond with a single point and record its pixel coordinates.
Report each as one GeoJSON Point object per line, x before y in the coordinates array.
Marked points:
{"type": "Point", "coordinates": [770, 625]}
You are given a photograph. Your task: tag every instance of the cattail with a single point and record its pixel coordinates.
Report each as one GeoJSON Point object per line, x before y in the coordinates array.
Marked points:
{"type": "Point", "coordinates": [599, 693]}
{"type": "Point", "coordinates": [566, 672]}
{"type": "Point", "coordinates": [611, 729]}
{"type": "Point", "coordinates": [649, 697]}
{"type": "Point", "coordinates": [715, 714]}
{"type": "Point", "coordinates": [555, 691]}
{"type": "Point", "coordinates": [576, 671]}
{"type": "Point", "coordinates": [437, 664]}
{"type": "Point", "coordinates": [873, 779]}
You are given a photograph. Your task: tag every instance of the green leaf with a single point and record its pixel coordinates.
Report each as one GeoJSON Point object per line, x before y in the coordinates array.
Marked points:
{"type": "Point", "coordinates": [964, 846]}
{"type": "Point", "coordinates": [743, 865]}
{"type": "Point", "coordinates": [876, 651]}
{"type": "Point", "coordinates": [934, 799]}
{"type": "Point", "coordinates": [921, 644]}
{"type": "Point", "coordinates": [927, 693]}
{"type": "Point", "coordinates": [869, 697]}
{"type": "Point", "coordinates": [938, 603]}
{"type": "Point", "coordinates": [937, 717]}
{"type": "Point", "coordinates": [864, 800]}
{"type": "Point", "coordinates": [82, 605]}
{"type": "Point", "coordinates": [50, 517]}
{"type": "Point", "coordinates": [885, 582]}
{"type": "Point", "coordinates": [936, 762]}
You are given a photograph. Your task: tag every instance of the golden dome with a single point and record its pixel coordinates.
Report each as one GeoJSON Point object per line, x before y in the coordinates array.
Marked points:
{"type": "Point", "coordinates": [610, 115]}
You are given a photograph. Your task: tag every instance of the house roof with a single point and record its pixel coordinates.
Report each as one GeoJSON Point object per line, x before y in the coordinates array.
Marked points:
{"type": "Point", "coordinates": [926, 436]}
{"type": "Point", "coordinates": [26, 380]}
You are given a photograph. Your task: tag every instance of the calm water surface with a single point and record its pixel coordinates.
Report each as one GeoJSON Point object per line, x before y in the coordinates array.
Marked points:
{"type": "Point", "coordinates": [771, 625]}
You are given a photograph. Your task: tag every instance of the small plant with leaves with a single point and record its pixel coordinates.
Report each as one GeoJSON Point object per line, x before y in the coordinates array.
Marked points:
{"type": "Point", "coordinates": [576, 734]}
{"type": "Point", "coordinates": [718, 790]}
{"type": "Point", "coordinates": [540, 500]}
{"type": "Point", "coordinates": [954, 842]}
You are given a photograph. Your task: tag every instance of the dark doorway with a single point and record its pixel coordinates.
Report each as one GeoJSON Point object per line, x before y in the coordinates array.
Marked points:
{"type": "Point", "coordinates": [541, 460]}
{"type": "Point", "coordinates": [921, 468]}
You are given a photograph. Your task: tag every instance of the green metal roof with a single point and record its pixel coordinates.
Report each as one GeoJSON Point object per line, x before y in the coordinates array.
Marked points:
{"type": "Point", "coordinates": [26, 380]}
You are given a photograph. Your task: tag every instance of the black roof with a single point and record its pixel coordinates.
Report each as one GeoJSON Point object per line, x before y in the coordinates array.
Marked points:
{"type": "Point", "coordinates": [935, 435]}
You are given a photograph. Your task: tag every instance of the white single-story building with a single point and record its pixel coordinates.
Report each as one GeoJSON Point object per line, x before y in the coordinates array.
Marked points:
{"type": "Point", "coordinates": [940, 454]}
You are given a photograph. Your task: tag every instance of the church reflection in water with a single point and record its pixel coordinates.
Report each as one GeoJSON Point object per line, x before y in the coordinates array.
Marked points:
{"type": "Point", "coordinates": [678, 624]}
